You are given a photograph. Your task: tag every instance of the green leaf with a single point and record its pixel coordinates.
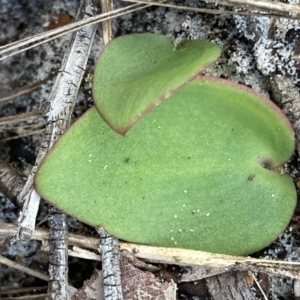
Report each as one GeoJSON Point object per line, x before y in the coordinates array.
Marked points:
{"type": "Point", "coordinates": [188, 175]}
{"type": "Point", "coordinates": [137, 72]}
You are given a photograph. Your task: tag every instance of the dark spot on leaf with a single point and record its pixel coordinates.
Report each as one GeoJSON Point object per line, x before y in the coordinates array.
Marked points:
{"type": "Point", "coordinates": [251, 177]}
{"type": "Point", "coordinates": [126, 160]}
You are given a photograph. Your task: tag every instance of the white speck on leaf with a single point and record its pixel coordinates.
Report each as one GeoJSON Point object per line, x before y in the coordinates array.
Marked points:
{"type": "Point", "coordinates": [273, 195]}
{"type": "Point", "coordinates": [105, 167]}
{"type": "Point", "coordinates": [175, 216]}
{"type": "Point", "coordinates": [207, 214]}
{"type": "Point", "coordinates": [185, 191]}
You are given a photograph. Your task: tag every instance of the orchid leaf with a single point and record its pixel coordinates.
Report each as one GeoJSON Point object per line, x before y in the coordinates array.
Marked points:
{"type": "Point", "coordinates": [137, 72]}
{"type": "Point", "coordinates": [196, 172]}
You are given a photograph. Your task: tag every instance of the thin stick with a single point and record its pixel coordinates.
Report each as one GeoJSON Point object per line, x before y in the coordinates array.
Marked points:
{"type": "Point", "coordinates": [63, 30]}
{"type": "Point", "coordinates": [27, 297]}
{"type": "Point", "coordinates": [12, 264]}
{"type": "Point", "coordinates": [10, 289]}
{"type": "Point", "coordinates": [260, 288]}
{"type": "Point", "coordinates": [288, 12]}
{"type": "Point", "coordinates": [21, 117]}
{"type": "Point", "coordinates": [42, 234]}
{"type": "Point", "coordinates": [106, 7]}
{"type": "Point", "coordinates": [109, 249]}
{"type": "Point", "coordinates": [21, 91]}
{"type": "Point", "coordinates": [186, 257]}
{"type": "Point", "coordinates": [293, 11]}
{"type": "Point", "coordinates": [175, 256]}
{"type": "Point", "coordinates": [22, 135]}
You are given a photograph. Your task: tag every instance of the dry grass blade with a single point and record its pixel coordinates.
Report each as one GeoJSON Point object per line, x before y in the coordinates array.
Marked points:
{"type": "Point", "coordinates": [287, 11]}
{"type": "Point", "coordinates": [17, 266]}
{"type": "Point", "coordinates": [20, 117]}
{"type": "Point", "coordinates": [55, 33]}
{"type": "Point", "coordinates": [274, 6]}
{"type": "Point", "coordinates": [21, 91]}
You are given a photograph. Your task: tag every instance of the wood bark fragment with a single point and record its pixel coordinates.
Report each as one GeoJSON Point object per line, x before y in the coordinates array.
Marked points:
{"type": "Point", "coordinates": [109, 248]}
{"type": "Point", "coordinates": [138, 284]}
{"type": "Point", "coordinates": [92, 288]}
{"type": "Point", "coordinates": [287, 97]}
{"type": "Point", "coordinates": [11, 183]}
{"type": "Point", "coordinates": [229, 286]}
{"type": "Point", "coordinates": [58, 115]}
{"type": "Point", "coordinates": [58, 260]}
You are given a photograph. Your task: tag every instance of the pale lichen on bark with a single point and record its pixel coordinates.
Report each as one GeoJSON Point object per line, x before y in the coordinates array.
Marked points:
{"type": "Point", "coordinates": [58, 261]}
{"type": "Point", "coordinates": [109, 248]}
{"type": "Point", "coordinates": [58, 115]}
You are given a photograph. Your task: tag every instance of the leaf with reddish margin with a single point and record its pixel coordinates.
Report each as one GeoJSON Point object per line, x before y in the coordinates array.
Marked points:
{"type": "Point", "coordinates": [193, 173]}
{"type": "Point", "coordinates": [136, 72]}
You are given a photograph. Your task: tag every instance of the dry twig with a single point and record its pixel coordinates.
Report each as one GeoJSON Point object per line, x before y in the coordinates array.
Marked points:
{"type": "Point", "coordinates": [63, 30]}
{"type": "Point", "coordinates": [176, 256]}
{"type": "Point", "coordinates": [267, 8]}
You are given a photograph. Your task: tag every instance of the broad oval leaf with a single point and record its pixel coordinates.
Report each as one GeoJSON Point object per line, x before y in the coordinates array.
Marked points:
{"type": "Point", "coordinates": [136, 72]}
{"type": "Point", "coordinates": [190, 174]}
